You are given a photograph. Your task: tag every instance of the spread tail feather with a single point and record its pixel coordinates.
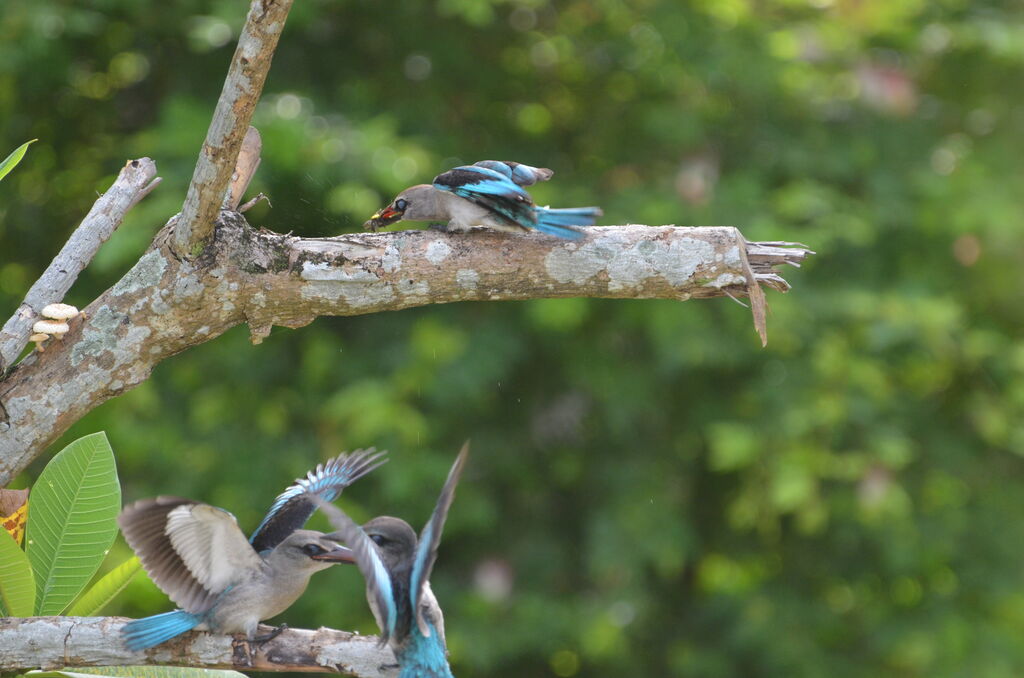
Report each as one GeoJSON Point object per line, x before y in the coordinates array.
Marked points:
{"type": "Point", "coordinates": [143, 634]}
{"type": "Point", "coordinates": [560, 222]}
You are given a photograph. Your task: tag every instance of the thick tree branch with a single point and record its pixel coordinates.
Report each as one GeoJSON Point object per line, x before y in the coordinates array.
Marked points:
{"type": "Point", "coordinates": [165, 305]}
{"type": "Point", "coordinates": [136, 180]}
{"type": "Point", "coordinates": [238, 98]}
{"type": "Point", "coordinates": [56, 642]}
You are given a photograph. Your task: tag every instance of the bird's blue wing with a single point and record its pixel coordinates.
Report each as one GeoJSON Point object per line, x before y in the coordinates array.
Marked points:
{"type": "Point", "coordinates": [379, 588]}
{"type": "Point", "coordinates": [426, 550]}
{"type": "Point", "coordinates": [523, 175]}
{"type": "Point", "coordinates": [295, 505]}
{"type": "Point", "coordinates": [490, 189]}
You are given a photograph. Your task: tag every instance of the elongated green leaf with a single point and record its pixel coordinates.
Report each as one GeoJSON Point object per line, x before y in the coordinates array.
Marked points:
{"type": "Point", "coordinates": [103, 591]}
{"type": "Point", "coordinates": [17, 587]}
{"type": "Point", "coordinates": [72, 520]}
{"type": "Point", "coordinates": [11, 161]}
{"type": "Point", "coordinates": [138, 672]}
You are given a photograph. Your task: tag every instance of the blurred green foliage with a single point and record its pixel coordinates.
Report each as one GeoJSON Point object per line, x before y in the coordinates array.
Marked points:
{"type": "Point", "coordinates": [650, 493]}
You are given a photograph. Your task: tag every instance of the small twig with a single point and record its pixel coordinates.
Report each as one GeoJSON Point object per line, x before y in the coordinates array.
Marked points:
{"type": "Point", "coordinates": [58, 642]}
{"type": "Point", "coordinates": [252, 203]}
{"type": "Point", "coordinates": [238, 98]}
{"type": "Point", "coordinates": [146, 191]}
{"type": "Point", "coordinates": [758, 304]}
{"type": "Point", "coordinates": [136, 179]}
{"type": "Point", "coordinates": [245, 169]}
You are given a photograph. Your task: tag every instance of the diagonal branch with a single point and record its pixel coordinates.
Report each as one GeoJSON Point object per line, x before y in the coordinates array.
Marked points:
{"type": "Point", "coordinates": [238, 98]}
{"type": "Point", "coordinates": [57, 642]}
{"type": "Point", "coordinates": [165, 305]}
{"type": "Point", "coordinates": [136, 179]}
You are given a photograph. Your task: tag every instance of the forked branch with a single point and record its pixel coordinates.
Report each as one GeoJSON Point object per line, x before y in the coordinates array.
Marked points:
{"type": "Point", "coordinates": [219, 154]}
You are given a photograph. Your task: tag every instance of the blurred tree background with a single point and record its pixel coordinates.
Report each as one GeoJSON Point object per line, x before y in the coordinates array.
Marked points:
{"type": "Point", "coordinates": [650, 492]}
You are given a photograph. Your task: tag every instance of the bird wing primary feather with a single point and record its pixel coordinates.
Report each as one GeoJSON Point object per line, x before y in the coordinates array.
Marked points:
{"type": "Point", "coordinates": [426, 549]}
{"type": "Point", "coordinates": [379, 588]}
{"type": "Point", "coordinates": [491, 190]}
{"type": "Point", "coordinates": [211, 545]}
{"type": "Point", "coordinates": [293, 507]}
{"type": "Point", "coordinates": [190, 550]}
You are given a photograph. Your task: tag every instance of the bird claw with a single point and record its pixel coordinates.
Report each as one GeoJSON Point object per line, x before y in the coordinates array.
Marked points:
{"type": "Point", "coordinates": [388, 667]}
{"type": "Point", "coordinates": [439, 226]}
{"type": "Point", "coordinates": [267, 637]}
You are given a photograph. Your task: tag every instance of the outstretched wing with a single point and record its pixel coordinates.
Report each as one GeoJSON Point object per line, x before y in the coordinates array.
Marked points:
{"type": "Point", "coordinates": [523, 175]}
{"type": "Point", "coordinates": [491, 190]}
{"type": "Point", "coordinates": [192, 551]}
{"type": "Point", "coordinates": [379, 589]}
{"type": "Point", "coordinates": [295, 505]}
{"type": "Point", "coordinates": [426, 550]}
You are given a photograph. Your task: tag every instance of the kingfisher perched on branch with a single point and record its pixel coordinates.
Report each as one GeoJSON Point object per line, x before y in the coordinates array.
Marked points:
{"type": "Point", "coordinates": [397, 568]}
{"type": "Point", "coordinates": [488, 193]}
{"type": "Point", "coordinates": [224, 582]}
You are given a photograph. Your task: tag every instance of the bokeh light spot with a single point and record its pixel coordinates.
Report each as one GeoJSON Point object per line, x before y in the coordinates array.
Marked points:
{"type": "Point", "coordinates": [405, 168]}
{"type": "Point", "coordinates": [522, 19]}
{"type": "Point", "coordinates": [128, 68]}
{"type": "Point", "coordinates": [967, 249]}
{"type": "Point", "coordinates": [534, 118]}
{"type": "Point", "coordinates": [208, 32]}
{"type": "Point", "coordinates": [334, 149]}
{"type": "Point", "coordinates": [288, 106]}
{"type": "Point", "coordinates": [565, 663]}
{"type": "Point", "coordinates": [417, 67]}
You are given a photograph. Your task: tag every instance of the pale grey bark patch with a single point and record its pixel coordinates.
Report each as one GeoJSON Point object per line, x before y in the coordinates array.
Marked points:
{"type": "Point", "coordinates": [146, 272]}
{"type": "Point", "coordinates": [437, 252]}
{"type": "Point", "coordinates": [467, 279]}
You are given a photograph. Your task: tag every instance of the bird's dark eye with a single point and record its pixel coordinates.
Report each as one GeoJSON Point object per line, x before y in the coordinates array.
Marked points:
{"type": "Point", "coordinates": [313, 550]}
{"type": "Point", "coordinates": [401, 204]}
{"type": "Point", "coordinates": [379, 540]}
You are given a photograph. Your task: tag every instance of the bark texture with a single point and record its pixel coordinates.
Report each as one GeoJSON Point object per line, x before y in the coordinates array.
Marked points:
{"type": "Point", "coordinates": [165, 305]}
{"type": "Point", "coordinates": [57, 642]}
{"type": "Point", "coordinates": [136, 179]}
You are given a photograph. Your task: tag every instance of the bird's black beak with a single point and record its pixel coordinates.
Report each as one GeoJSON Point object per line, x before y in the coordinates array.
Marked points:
{"type": "Point", "coordinates": [339, 554]}
{"type": "Point", "coordinates": [383, 217]}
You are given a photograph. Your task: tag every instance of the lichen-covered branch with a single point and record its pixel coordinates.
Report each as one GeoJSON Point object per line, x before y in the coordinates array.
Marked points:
{"type": "Point", "coordinates": [238, 98]}
{"type": "Point", "coordinates": [58, 642]}
{"type": "Point", "coordinates": [136, 179]}
{"type": "Point", "coordinates": [164, 304]}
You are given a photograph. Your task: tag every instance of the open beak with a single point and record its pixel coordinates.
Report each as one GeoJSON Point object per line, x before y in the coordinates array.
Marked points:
{"type": "Point", "coordinates": [382, 218]}
{"type": "Point", "coordinates": [337, 555]}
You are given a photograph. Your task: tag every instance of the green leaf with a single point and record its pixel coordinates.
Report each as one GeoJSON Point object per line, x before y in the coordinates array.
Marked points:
{"type": "Point", "coordinates": [72, 520]}
{"type": "Point", "coordinates": [17, 588]}
{"type": "Point", "coordinates": [103, 591]}
{"type": "Point", "coordinates": [138, 672]}
{"type": "Point", "coordinates": [11, 161]}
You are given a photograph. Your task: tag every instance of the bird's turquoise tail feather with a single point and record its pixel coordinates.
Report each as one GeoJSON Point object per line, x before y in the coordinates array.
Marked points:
{"type": "Point", "coordinates": [143, 634]}
{"type": "Point", "coordinates": [560, 222]}
{"type": "Point", "coordinates": [423, 656]}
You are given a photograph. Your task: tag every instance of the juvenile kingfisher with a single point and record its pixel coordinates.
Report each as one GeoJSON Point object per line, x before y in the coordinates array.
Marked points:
{"type": "Point", "coordinates": [397, 568]}
{"type": "Point", "coordinates": [226, 583]}
{"type": "Point", "coordinates": [488, 193]}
